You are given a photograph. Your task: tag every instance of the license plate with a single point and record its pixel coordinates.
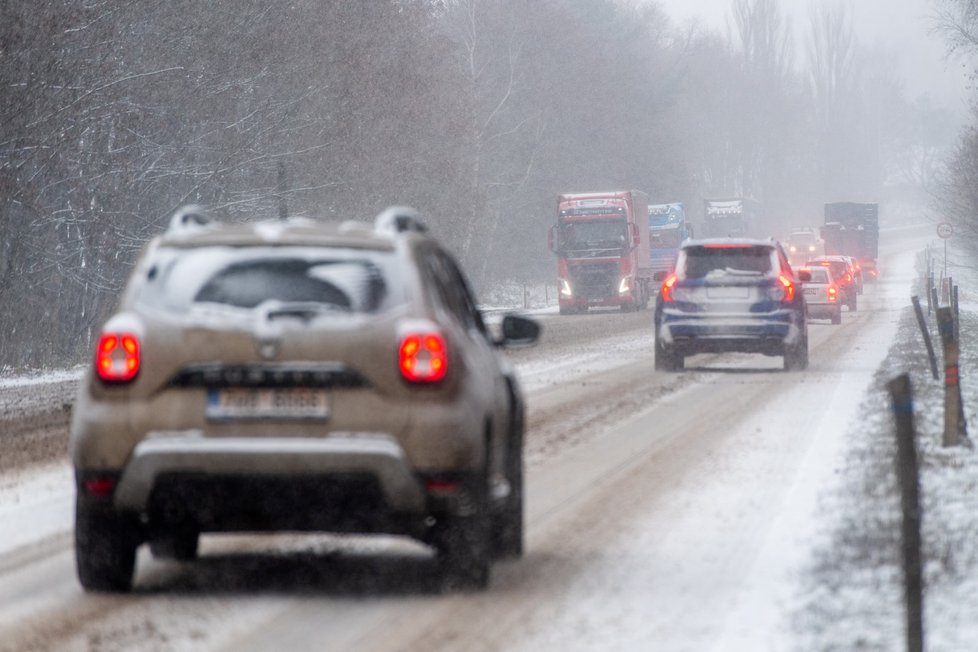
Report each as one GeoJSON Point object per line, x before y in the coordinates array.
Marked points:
{"type": "Point", "coordinates": [232, 404]}
{"type": "Point", "coordinates": [728, 292]}
{"type": "Point", "coordinates": [811, 291]}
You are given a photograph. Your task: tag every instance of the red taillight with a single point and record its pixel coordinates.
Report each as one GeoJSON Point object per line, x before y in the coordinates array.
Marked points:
{"type": "Point", "coordinates": [423, 357]}
{"type": "Point", "coordinates": [667, 286]}
{"type": "Point", "coordinates": [442, 487]}
{"type": "Point", "coordinates": [99, 487]}
{"type": "Point", "coordinates": [848, 277]}
{"type": "Point", "coordinates": [117, 357]}
{"type": "Point", "coordinates": [789, 287]}
{"type": "Point", "coordinates": [833, 293]}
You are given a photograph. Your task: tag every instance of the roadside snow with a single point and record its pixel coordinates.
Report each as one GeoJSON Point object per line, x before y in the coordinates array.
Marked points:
{"type": "Point", "coordinates": [34, 505]}
{"type": "Point", "coordinates": [42, 377]}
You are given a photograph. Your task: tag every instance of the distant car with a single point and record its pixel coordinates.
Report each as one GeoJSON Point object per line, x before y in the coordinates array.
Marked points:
{"type": "Point", "coordinates": [857, 273]}
{"type": "Point", "coordinates": [870, 270]}
{"type": "Point", "coordinates": [803, 244]}
{"type": "Point", "coordinates": [731, 295]}
{"type": "Point", "coordinates": [293, 376]}
{"type": "Point", "coordinates": [844, 275]}
{"type": "Point", "coordinates": [822, 295]}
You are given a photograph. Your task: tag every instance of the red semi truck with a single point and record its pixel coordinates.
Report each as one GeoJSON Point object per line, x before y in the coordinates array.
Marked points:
{"type": "Point", "coordinates": [601, 240]}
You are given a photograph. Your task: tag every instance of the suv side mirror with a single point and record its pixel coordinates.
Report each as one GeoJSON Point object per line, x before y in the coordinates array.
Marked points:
{"type": "Point", "coordinates": [518, 332]}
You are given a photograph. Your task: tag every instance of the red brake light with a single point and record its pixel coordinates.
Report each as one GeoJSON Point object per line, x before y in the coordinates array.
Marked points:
{"type": "Point", "coordinates": [117, 357]}
{"type": "Point", "coordinates": [99, 487]}
{"type": "Point", "coordinates": [833, 293]}
{"type": "Point", "coordinates": [789, 287]}
{"type": "Point", "coordinates": [667, 286]}
{"type": "Point", "coordinates": [423, 357]}
{"type": "Point", "coordinates": [848, 277]}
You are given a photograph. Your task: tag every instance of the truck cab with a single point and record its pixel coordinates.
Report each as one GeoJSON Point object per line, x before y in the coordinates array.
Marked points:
{"type": "Point", "coordinates": [602, 259]}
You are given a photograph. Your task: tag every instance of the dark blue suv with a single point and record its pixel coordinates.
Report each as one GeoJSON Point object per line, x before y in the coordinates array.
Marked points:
{"type": "Point", "coordinates": [731, 295]}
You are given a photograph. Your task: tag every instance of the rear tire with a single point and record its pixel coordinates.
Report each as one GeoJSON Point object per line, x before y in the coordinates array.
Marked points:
{"type": "Point", "coordinates": [837, 316]}
{"type": "Point", "coordinates": [463, 544]}
{"type": "Point", "coordinates": [852, 302]}
{"type": "Point", "coordinates": [105, 548]}
{"type": "Point", "coordinates": [796, 358]}
{"type": "Point", "coordinates": [666, 360]}
{"type": "Point", "coordinates": [507, 529]}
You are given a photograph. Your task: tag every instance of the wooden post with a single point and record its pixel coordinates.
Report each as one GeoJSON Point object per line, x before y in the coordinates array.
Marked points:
{"type": "Point", "coordinates": [953, 408]}
{"type": "Point", "coordinates": [933, 298]}
{"type": "Point", "coordinates": [922, 323]}
{"type": "Point", "coordinates": [901, 397]}
{"type": "Point", "coordinates": [957, 316]}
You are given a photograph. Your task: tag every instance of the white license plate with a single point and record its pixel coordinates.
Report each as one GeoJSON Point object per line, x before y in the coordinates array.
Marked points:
{"type": "Point", "coordinates": [229, 404]}
{"type": "Point", "coordinates": [728, 292]}
{"type": "Point", "coordinates": [811, 291]}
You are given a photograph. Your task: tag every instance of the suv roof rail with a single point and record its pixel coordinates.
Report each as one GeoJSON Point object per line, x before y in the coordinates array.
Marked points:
{"type": "Point", "coordinates": [188, 217]}
{"type": "Point", "coordinates": [399, 219]}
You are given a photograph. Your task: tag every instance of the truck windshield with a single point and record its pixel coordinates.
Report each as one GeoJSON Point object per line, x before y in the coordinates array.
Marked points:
{"type": "Point", "coordinates": [592, 237]}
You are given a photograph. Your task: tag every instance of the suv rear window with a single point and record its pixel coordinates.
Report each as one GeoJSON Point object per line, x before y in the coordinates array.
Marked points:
{"type": "Point", "coordinates": [341, 281]}
{"type": "Point", "coordinates": [704, 260]}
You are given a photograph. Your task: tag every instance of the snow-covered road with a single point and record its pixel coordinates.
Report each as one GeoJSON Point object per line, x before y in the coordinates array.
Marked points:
{"type": "Point", "coordinates": [665, 511]}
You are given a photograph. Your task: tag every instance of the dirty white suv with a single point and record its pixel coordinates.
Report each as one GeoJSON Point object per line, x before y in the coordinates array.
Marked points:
{"type": "Point", "coordinates": [293, 376]}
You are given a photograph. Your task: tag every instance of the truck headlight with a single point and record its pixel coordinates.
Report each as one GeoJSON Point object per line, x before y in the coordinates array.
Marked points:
{"type": "Point", "coordinates": [565, 288]}
{"type": "Point", "coordinates": [624, 286]}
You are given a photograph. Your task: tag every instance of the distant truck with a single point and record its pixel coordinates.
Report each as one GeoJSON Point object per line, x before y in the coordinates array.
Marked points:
{"type": "Point", "coordinates": [600, 239]}
{"type": "Point", "coordinates": [852, 229]}
{"type": "Point", "coordinates": [668, 227]}
{"type": "Point", "coordinates": [735, 217]}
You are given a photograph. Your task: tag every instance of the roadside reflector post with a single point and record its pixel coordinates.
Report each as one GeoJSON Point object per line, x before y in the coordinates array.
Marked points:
{"type": "Point", "coordinates": [922, 323]}
{"type": "Point", "coordinates": [954, 426]}
{"type": "Point", "coordinates": [901, 397]}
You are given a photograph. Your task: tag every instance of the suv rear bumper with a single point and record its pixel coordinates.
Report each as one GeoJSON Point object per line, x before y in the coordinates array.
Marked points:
{"type": "Point", "coordinates": [770, 333]}
{"type": "Point", "coordinates": [187, 453]}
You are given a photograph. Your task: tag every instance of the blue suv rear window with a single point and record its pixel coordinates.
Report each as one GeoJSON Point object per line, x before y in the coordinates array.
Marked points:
{"type": "Point", "coordinates": [700, 261]}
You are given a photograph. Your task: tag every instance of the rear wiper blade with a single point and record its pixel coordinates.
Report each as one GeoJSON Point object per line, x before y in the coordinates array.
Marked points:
{"type": "Point", "coordinates": [303, 310]}
{"type": "Point", "coordinates": [736, 272]}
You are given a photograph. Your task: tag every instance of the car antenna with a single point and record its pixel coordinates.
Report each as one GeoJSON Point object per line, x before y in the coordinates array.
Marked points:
{"type": "Point", "coordinates": [281, 189]}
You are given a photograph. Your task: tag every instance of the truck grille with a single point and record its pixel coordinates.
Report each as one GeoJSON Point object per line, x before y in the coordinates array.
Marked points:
{"type": "Point", "coordinates": [595, 281]}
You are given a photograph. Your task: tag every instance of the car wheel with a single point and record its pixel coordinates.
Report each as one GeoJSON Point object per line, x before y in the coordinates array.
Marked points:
{"type": "Point", "coordinates": [507, 531]}
{"type": "Point", "coordinates": [796, 358]}
{"type": "Point", "coordinates": [666, 360]}
{"type": "Point", "coordinates": [105, 548]}
{"type": "Point", "coordinates": [837, 316]}
{"type": "Point", "coordinates": [182, 546]}
{"type": "Point", "coordinates": [852, 303]}
{"type": "Point", "coordinates": [462, 545]}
